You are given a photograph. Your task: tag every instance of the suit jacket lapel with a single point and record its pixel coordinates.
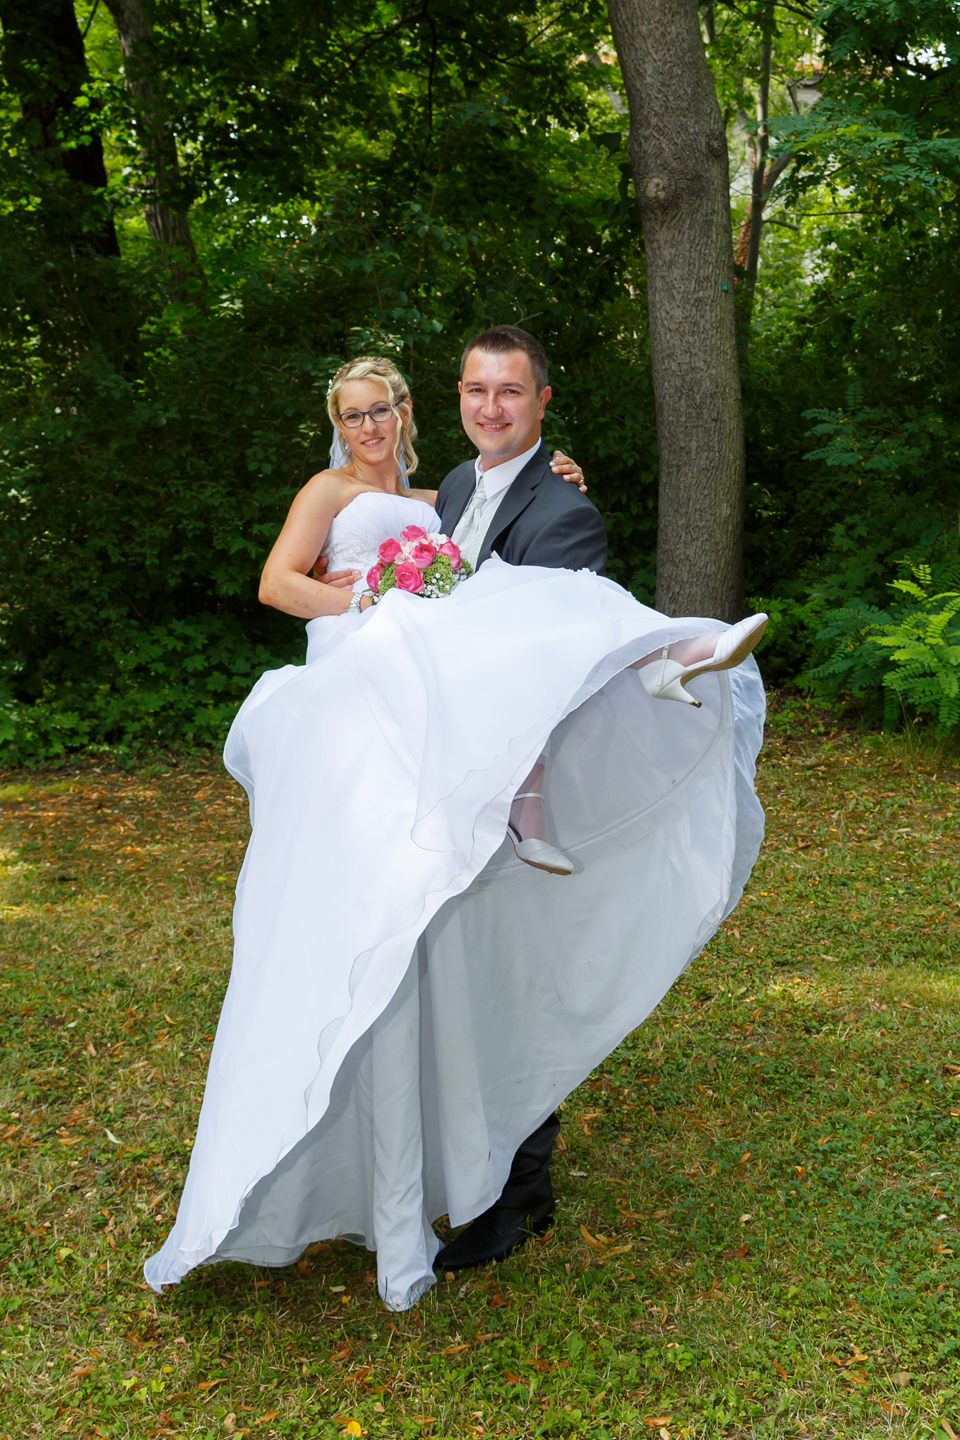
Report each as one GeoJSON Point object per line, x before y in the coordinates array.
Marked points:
{"type": "Point", "coordinates": [516, 500]}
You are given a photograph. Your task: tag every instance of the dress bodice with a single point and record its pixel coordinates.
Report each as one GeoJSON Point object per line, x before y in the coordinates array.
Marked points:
{"type": "Point", "coordinates": [362, 526]}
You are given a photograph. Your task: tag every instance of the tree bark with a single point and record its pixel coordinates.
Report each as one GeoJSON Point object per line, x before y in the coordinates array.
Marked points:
{"type": "Point", "coordinates": [167, 220]}
{"type": "Point", "coordinates": [45, 65]}
{"type": "Point", "coordinates": [678, 155]}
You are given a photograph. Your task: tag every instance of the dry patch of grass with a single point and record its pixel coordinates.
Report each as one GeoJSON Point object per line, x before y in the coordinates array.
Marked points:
{"type": "Point", "coordinates": [758, 1233]}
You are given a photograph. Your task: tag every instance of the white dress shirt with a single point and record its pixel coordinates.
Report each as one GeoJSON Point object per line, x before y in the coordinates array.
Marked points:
{"type": "Point", "coordinates": [496, 482]}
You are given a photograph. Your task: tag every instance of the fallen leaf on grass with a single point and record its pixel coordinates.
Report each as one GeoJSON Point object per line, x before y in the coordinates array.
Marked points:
{"type": "Point", "coordinates": [352, 1427]}
{"type": "Point", "coordinates": [740, 1254]}
{"type": "Point", "coordinates": [209, 1384]}
{"type": "Point", "coordinates": [620, 1250]}
{"type": "Point", "coordinates": [888, 1405]}
{"type": "Point", "coordinates": [597, 1242]}
{"type": "Point", "coordinates": [512, 1379]}
{"type": "Point", "coordinates": [456, 1349]}
{"type": "Point", "coordinates": [951, 1070]}
{"type": "Point", "coordinates": [945, 1424]}
{"type": "Point", "coordinates": [655, 1421]}
{"type": "Point", "coordinates": [425, 1419]}
{"type": "Point", "coordinates": [272, 1415]}
{"type": "Point", "coordinates": [780, 1370]}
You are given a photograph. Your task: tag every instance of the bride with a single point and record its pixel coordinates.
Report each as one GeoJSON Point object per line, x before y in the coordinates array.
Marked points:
{"type": "Point", "coordinates": [408, 999]}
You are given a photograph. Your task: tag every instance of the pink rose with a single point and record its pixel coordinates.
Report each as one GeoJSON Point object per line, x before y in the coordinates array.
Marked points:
{"type": "Point", "coordinates": [452, 553]}
{"type": "Point", "coordinates": [408, 578]}
{"type": "Point", "coordinates": [423, 555]}
{"type": "Point", "coordinates": [413, 532]}
{"type": "Point", "coordinates": [374, 576]}
{"type": "Point", "coordinates": [389, 551]}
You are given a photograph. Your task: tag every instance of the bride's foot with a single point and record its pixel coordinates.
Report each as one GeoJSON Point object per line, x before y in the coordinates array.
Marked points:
{"type": "Point", "coordinates": [528, 829]}
{"type": "Point", "coordinates": [665, 675]}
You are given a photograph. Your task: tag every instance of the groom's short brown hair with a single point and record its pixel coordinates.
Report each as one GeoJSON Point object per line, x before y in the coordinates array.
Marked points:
{"type": "Point", "coordinates": [504, 338]}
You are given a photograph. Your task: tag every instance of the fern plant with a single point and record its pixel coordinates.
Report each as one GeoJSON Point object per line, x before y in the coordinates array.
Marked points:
{"type": "Point", "coordinates": [924, 649]}
{"type": "Point", "coordinates": [907, 657]}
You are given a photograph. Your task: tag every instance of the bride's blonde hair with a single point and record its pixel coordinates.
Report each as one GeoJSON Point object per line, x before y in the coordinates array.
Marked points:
{"type": "Point", "coordinates": [373, 367]}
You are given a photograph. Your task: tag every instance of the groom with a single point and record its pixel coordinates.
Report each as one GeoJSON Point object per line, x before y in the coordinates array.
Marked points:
{"type": "Point", "coordinates": [508, 501]}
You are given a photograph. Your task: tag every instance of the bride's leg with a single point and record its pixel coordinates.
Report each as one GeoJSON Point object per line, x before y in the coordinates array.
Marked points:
{"type": "Point", "coordinates": [734, 645]}
{"type": "Point", "coordinates": [526, 815]}
{"type": "Point", "coordinates": [685, 652]}
{"type": "Point", "coordinates": [665, 672]}
{"type": "Point", "coordinates": [528, 823]}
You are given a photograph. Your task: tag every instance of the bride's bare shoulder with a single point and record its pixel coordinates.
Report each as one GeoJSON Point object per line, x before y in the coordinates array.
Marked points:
{"type": "Point", "coordinates": [327, 479]}
{"type": "Point", "coordinates": [430, 496]}
{"type": "Point", "coordinates": [326, 485]}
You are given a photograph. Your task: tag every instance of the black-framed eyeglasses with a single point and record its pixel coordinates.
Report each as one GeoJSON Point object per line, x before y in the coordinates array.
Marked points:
{"type": "Point", "coordinates": [379, 414]}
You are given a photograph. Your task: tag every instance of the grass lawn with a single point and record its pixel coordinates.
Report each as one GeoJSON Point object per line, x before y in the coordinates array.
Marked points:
{"type": "Point", "coordinates": [758, 1232]}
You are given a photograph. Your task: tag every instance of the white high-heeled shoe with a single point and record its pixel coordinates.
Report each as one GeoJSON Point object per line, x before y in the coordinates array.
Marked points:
{"type": "Point", "coordinates": [539, 853]}
{"type": "Point", "coordinates": [666, 679]}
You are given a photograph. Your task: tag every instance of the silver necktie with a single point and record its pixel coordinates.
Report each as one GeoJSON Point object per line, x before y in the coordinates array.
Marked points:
{"type": "Point", "coordinates": [469, 532]}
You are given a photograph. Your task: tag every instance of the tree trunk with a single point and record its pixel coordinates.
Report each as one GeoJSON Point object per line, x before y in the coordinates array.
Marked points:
{"type": "Point", "coordinates": [45, 65]}
{"type": "Point", "coordinates": [678, 155]}
{"type": "Point", "coordinates": [763, 177]}
{"type": "Point", "coordinates": [166, 218]}
{"type": "Point", "coordinates": [747, 252]}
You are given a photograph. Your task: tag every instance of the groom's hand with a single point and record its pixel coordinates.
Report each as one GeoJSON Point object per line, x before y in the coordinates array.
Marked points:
{"type": "Point", "coordinates": [568, 469]}
{"type": "Point", "coordinates": [340, 579]}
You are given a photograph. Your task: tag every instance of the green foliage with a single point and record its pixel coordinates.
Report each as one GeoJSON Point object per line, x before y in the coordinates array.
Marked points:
{"type": "Point", "coordinates": [367, 178]}
{"type": "Point", "coordinates": [924, 647]}
{"type": "Point", "coordinates": [908, 654]}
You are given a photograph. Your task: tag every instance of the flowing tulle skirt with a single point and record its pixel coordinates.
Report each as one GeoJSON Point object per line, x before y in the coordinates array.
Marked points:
{"type": "Point", "coordinates": [408, 1001]}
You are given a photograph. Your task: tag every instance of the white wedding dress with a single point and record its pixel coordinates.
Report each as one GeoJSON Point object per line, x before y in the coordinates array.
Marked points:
{"type": "Point", "coordinates": [408, 1001]}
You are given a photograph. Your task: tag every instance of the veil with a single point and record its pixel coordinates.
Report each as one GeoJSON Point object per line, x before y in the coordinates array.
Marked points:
{"type": "Point", "coordinates": [340, 456]}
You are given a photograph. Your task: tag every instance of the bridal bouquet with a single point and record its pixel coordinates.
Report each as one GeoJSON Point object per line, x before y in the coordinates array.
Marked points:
{"type": "Point", "coordinates": [419, 563]}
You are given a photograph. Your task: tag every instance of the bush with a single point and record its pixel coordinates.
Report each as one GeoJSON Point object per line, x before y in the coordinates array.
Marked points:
{"type": "Point", "coordinates": [903, 661]}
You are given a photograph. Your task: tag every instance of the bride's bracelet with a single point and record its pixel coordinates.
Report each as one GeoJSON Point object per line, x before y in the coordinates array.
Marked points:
{"type": "Point", "coordinates": [355, 606]}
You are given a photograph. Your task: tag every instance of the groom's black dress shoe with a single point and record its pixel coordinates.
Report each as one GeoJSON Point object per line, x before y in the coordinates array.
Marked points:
{"type": "Point", "coordinates": [525, 1208]}
{"type": "Point", "coordinates": [493, 1235]}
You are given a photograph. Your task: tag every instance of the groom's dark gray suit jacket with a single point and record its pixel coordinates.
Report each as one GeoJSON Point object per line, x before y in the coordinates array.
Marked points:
{"type": "Point", "coordinates": [541, 520]}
